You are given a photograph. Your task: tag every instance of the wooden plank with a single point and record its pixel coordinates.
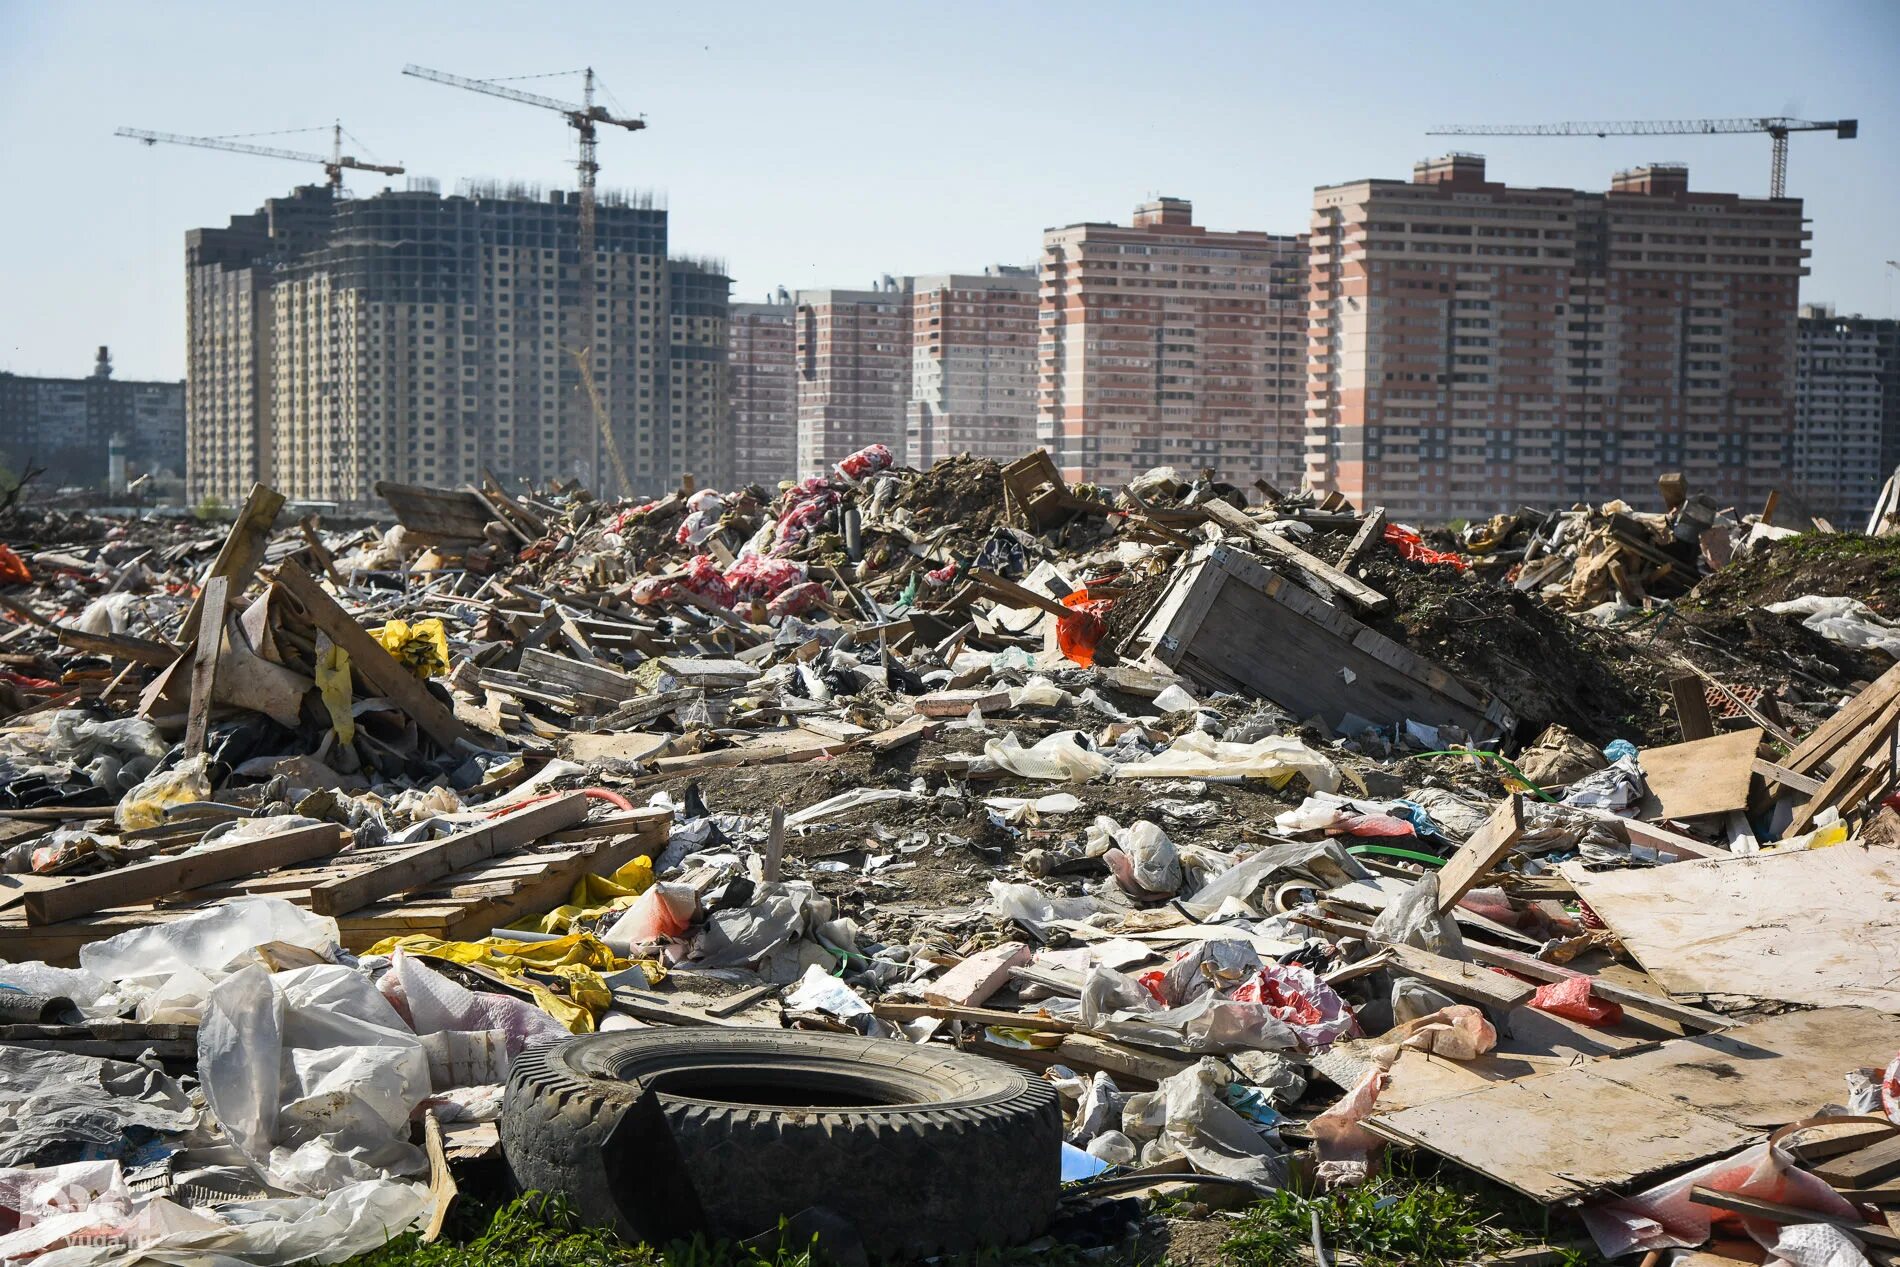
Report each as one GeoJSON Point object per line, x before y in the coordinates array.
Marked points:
{"type": "Point", "coordinates": [588, 678]}
{"type": "Point", "coordinates": [444, 515]}
{"type": "Point", "coordinates": [1836, 730]}
{"type": "Point", "coordinates": [1865, 1168]}
{"type": "Point", "coordinates": [120, 647]}
{"type": "Point", "coordinates": [382, 671]}
{"type": "Point", "coordinates": [1853, 753]}
{"type": "Point", "coordinates": [439, 858]}
{"type": "Point", "coordinates": [1466, 980]}
{"type": "Point", "coordinates": [1019, 595]}
{"type": "Point", "coordinates": [972, 982]}
{"type": "Point", "coordinates": [1781, 776]}
{"type": "Point", "coordinates": [242, 551]}
{"type": "Point", "coordinates": [898, 1013]}
{"type": "Point", "coordinates": [1703, 776]}
{"type": "Point", "coordinates": [1372, 529]}
{"type": "Point", "coordinates": [1778, 1212]}
{"type": "Point", "coordinates": [204, 666]}
{"type": "Point", "coordinates": [144, 881]}
{"type": "Point", "coordinates": [1351, 587]}
{"type": "Point", "coordinates": [1484, 850]}
{"type": "Point", "coordinates": [1692, 708]}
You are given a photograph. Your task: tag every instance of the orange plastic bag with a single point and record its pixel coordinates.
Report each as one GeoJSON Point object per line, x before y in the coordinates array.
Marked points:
{"type": "Point", "coordinates": [1078, 633]}
{"type": "Point", "coordinates": [13, 568]}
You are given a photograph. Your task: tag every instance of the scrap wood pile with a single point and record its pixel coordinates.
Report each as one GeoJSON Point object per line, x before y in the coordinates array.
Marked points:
{"type": "Point", "coordinates": [1168, 797]}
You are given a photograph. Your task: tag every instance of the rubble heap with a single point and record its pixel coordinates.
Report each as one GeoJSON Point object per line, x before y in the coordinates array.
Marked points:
{"type": "Point", "coordinates": [1245, 836]}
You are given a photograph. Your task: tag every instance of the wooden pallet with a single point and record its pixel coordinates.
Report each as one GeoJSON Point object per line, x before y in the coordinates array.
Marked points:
{"type": "Point", "coordinates": [467, 904]}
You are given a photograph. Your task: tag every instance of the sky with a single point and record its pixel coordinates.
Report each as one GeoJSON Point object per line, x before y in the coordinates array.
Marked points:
{"type": "Point", "coordinates": [825, 143]}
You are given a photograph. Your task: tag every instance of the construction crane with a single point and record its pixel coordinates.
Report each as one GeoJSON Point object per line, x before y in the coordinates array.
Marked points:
{"type": "Point", "coordinates": [583, 357]}
{"type": "Point", "coordinates": [585, 119]}
{"type": "Point", "coordinates": [1777, 129]}
{"type": "Point", "coordinates": [334, 165]}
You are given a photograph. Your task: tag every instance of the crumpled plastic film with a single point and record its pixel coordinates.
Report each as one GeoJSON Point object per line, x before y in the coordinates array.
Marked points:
{"type": "Point", "coordinates": [576, 960]}
{"type": "Point", "coordinates": [592, 897]}
{"type": "Point", "coordinates": [1059, 756]}
{"type": "Point", "coordinates": [1201, 756]}
{"type": "Point", "coordinates": [144, 806]}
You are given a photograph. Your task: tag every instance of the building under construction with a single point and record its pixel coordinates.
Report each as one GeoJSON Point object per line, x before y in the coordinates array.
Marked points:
{"type": "Point", "coordinates": [335, 342]}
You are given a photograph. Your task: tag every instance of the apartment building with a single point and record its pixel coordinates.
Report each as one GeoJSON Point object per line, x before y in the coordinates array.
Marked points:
{"type": "Point", "coordinates": [425, 339]}
{"type": "Point", "coordinates": [973, 366]}
{"type": "Point", "coordinates": [1477, 346]}
{"type": "Point", "coordinates": [1163, 343]}
{"type": "Point", "coordinates": [70, 425]}
{"type": "Point", "coordinates": [1847, 412]}
{"type": "Point", "coordinates": [853, 357]}
{"type": "Point", "coordinates": [764, 392]}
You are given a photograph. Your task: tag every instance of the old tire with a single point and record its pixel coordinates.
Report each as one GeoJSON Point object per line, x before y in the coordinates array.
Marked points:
{"type": "Point", "coordinates": [924, 1150]}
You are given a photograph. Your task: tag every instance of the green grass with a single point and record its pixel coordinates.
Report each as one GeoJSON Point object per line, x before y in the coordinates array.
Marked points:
{"type": "Point", "coordinates": [541, 1231]}
{"type": "Point", "coordinates": [1393, 1221]}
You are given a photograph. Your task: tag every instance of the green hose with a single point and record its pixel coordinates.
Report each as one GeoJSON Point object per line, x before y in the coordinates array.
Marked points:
{"type": "Point", "coordinates": [1393, 851]}
{"type": "Point", "coordinates": [1536, 791]}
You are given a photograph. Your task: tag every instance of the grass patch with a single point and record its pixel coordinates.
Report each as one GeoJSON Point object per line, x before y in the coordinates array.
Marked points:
{"type": "Point", "coordinates": [540, 1230]}
{"type": "Point", "coordinates": [1396, 1220]}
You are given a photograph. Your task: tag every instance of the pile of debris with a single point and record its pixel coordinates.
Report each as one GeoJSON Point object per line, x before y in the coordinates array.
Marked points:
{"type": "Point", "coordinates": [1059, 843]}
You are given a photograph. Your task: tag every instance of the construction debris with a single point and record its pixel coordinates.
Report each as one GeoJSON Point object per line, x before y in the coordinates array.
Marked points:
{"type": "Point", "coordinates": [1259, 836]}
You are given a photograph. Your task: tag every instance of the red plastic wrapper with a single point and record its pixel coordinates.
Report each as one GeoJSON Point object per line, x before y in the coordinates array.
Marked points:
{"type": "Point", "coordinates": [868, 460]}
{"type": "Point", "coordinates": [754, 576]}
{"type": "Point", "coordinates": [805, 505]}
{"type": "Point", "coordinates": [797, 600]}
{"type": "Point", "coordinates": [1078, 633]}
{"type": "Point", "coordinates": [1571, 999]}
{"type": "Point", "coordinates": [1308, 1006]}
{"type": "Point", "coordinates": [1412, 546]}
{"type": "Point", "coordinates": [704, 579]}
{"type": "Point", "coordinates": [943, 575]}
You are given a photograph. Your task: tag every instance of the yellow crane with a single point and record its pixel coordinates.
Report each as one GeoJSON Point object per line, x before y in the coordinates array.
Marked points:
{"type": "Point", "coordinates": [334, 164]}
{"type": "Point", "coordinates": [586, 119]}
{"type": "Point", "coordinates": [583, 357]}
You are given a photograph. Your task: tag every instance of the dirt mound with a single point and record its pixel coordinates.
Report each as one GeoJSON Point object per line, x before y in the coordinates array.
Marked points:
{"type": "Point", "coordinates": [1827, 563]}
{"type": "Point", "coordinates": [963, 491]}
{"type": "Point", "coordinates": [1546, 666]}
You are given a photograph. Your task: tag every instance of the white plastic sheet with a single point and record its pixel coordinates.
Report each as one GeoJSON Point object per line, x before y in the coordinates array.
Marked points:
{"type": "Point", "coordinates": [1844, 620]}
{"type": "Point", "coordinates": [313, 1075]}
{"type": "Point", "coordinates": [1060, 756]}
{"type": "Point", "coordinates": [1200, 756]}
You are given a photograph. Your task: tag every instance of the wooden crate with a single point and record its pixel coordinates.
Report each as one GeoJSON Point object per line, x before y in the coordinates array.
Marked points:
{"type": "Point", "coordinates": [1230, 622]}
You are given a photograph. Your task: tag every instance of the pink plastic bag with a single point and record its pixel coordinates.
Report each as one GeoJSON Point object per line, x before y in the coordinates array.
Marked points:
{"type": "Point", "coordinates": [1571, 999]}
{"type": "Point", "coordinates": [1308, 1006]}
{"type": "Point", "coordinates": [797, 600]}
{"type": "Point", "coordinates": [662, 913]}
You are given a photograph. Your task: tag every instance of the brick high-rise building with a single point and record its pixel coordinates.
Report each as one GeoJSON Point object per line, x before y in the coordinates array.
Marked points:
{"type": "Point", "coordinates": [1847, 412]}
{"type": "Point", "coordinates": [1165, 343]}
{"type": "Point", "coordinates": [853, 350]}
{"type": "Point", "coordinates": [68, 425]}
{"type": "Point", "coordinates": [1476, 347]}
{"type": "Point", "coordinates": [764, 362]}
{"type": "Point", "coordinates": [973, 366]}
{"type": "Point", "coordinates": [421, 339]}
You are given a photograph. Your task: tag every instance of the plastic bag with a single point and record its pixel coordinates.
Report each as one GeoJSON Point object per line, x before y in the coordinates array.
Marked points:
{"type": "Point", "coordinates": [13, 569]}
{"type": "Point", "coordinates": [144, 806]}
{"type": "Point", "coordinates": [1061, 755]}
{"type": "Point", "coordinates": [1082, 628]}
{"type": "Point", "coordinates": [1571, 999]}
{"type": "Point", "coordinates": [1345, 1147]}
{"type": "Point", "coordinates": [1140, 856]}
{"type": "Point", "coordinates": [1411, 546]}
{"type": "Point", "coordinates": [662, 913]}
{"type": "Point", "coordinates": [1847, 621]}
{"type": "Point", "coordinates": [422, 648]}
{"type": "Point", "coordinates": [1200, 756]}
{"type": "Point", "coordinates": [207, 940]}
{"type": "Point", "coordinates": [866, 461]}
{"type": "Point", "coordinates": [797, 600]}
{"type": "Point", "coordinates": [334, 685]}
{"type": "Point", "coordinates": [1308, 1006]}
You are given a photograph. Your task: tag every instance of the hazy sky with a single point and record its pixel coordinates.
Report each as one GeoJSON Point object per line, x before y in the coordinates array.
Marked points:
{"type": "Point", "coordinates": [821, 144]}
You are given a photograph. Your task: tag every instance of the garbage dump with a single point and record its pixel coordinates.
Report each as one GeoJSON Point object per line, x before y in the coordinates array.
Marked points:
{"type": "Point", "coordinates": [732, 860]}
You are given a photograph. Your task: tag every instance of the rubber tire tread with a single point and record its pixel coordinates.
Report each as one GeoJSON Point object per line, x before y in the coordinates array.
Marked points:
{"type": "Point", "coordinates": [979, 1167]}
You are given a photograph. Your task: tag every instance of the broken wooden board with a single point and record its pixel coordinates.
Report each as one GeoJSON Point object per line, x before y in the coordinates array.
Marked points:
{"type": "Point", "coordinates": [1559, 1136]}
{"type": "Point", "coordinates": [1464, 980]}
{"type": "Point", "coordinates": [383, 673]}
{"type": "Point", "coordinates": [437, 516]}
{"type": "Point", "coordinates": [1819, 927]}
{"type": "Point", "coordinates": [1485, 848]}
{"type": "Point", "coordinates": [1354, 590]}
{"type": "Point", "coordinates": [143, 881]}
{"type": "Point", "coordinates": [1230, 622]}
{"type": "Point", "coordinates": [422, 863]}
{"type": "Point", "coordinates": [1703, 776]}
{"type": "Point", "coordinates": [242, 551]}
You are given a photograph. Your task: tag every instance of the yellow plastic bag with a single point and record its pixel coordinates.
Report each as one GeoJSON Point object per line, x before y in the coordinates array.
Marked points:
{"type": "Point", "coordinates": [593, 896]}
{"type": "Point", "coordinates": [423, 647]}
{"type": "Point", "coordinates": [333, 683]}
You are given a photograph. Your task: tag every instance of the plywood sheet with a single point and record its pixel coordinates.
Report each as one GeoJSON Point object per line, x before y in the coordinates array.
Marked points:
{"type": "Point", "coordinates": [1767, 1073]}
{"type": "Point", "coordinates": [1564, 1135]}
{"type": "Point", "coordinates": [1703, 776]}
{"type": "Point", "coordinates": [1820, 927]}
